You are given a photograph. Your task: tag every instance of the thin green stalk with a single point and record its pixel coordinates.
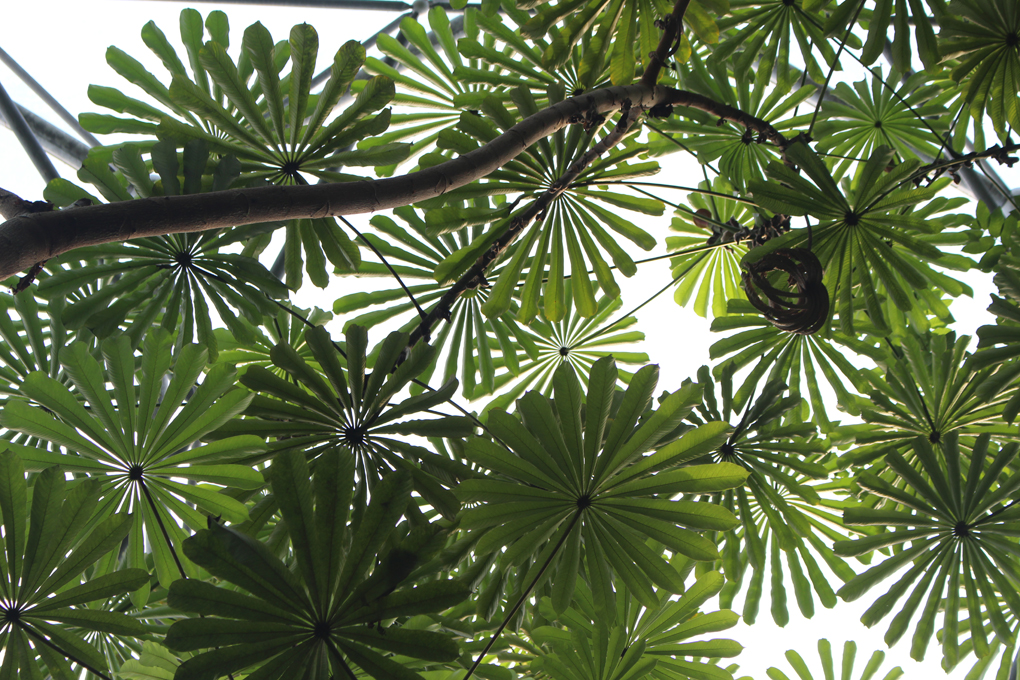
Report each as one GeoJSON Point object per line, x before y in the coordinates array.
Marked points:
{"type": "Point", "coordinates": [832, 67]}
{"type": "Point", "coordinates": [676, 141]}
{"type": "Point", "coordinates": [524, 596]}
{"type": "Point", "coordinates": [159, 521]}
{"type": "Point", "coordinates": [662, 290]}
{"type": "Point", "coordinates": [39, 637]}
{"type": "Point", "coordinates": [693, 190]}
{"type": "Point", "coordinates": [421, 312]}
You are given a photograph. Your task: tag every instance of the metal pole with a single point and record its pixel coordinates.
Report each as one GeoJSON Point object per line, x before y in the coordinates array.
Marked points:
{"type": "Point", "coordinates": [24, 134]}
{"type": "Point", "coordinates": [55, 141]}
{"type": "Point", "coordinates": [323, 76]}
{"type": "Point", "coordinates": [64, 114]}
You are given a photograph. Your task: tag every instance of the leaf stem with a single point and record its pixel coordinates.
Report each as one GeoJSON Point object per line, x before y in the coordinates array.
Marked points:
{"type": "Point", "coordinates": [159, 521]}
{"type": "Point", "coordinates": [1000, 510]}
{"type": "Point", "coordinates": [67, 655]}
{"type": "Point", "coordinates": [606, 329]}
{"type": "Point", "coordinates": [692, 213]}
{"type": "Point", "coordinates": [524, 596]}
{"type": "Point", "coordinates": [421, 312]}
{"type": "Point", "coordinates": [832, 67]}
{"type": "Point", "coordinates": [340, 659]}
{"type": "Point", "coordinates": [676, 141]}
{"type": "Point", "coordinates": [678, 187]}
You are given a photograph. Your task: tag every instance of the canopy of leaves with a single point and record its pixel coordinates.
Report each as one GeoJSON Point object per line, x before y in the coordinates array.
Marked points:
{"type": "Point", "coordinates": [197, 481]}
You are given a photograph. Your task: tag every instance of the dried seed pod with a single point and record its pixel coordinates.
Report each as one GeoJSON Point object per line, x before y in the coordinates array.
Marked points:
{"type": "Point", "coordinates": [805, 307]}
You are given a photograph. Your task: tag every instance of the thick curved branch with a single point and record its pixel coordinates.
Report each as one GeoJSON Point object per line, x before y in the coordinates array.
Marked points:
{"type": "Point", "coordinates": [29, 239]}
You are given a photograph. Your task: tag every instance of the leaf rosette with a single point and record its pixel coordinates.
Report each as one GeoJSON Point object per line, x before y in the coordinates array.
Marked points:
{"type": "Point", "coordinates": [654, 642]}
{"type": "Point", "coordinates": [137, 440]}
{"type": "Point", "coordinates": [783, 516]}
{"type": "Point", "coordinates": [953, 529]}
{"type": "Point", "coordinates": [809, 365]}
{"type": "Point", "coordinates": [576, 341]}
{"type": "Point", "coordinates": [980, 39]}
{"type": "Point", "coordinates": [313, 617]}
{"type": "Point", "coordinates": [573, 486]}
{"type": "Point", "coordinates": [279, 132]}
{"type": "Point", "coordinates": [180, 281]}
{"type": "Point", "coordinates": [329, 406]}
{"type": "Point", "coordinates": [49, 544]}
{"type": "Point", "coordinates": [932, 388]}
{"type": "Point", "coordinates": [708, 249]}
{"type": "Point", "coordinates": [859, 119]}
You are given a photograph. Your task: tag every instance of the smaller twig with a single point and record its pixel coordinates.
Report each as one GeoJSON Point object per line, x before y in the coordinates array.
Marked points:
{"type": "Point", "coordinates": [159, 521]}
{"type": "Point", "coordinates": [523, 598]}
{"type": "Point", "coordinates": [39, 637]}
{"type": "Point", "coordinates": [629, 115]}
{"type": "Point", "coordinates": [668, 44]}
{"type": "Point", "coordinates": [997, 152]}
{"type": "Point", "coordinates": [421, 312]}
{"type": "Point", "coordinates": [725, 112]}
{"type": "Point", "coordinates": [28, 279]}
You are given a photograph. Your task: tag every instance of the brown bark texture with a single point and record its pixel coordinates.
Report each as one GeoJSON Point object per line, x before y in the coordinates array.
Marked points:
{"type": "Point", "coordinates": [31, 238]}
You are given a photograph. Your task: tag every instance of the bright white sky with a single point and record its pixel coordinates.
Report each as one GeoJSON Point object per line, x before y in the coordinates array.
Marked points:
{"type": "Point", "coordinates": [62, 45]}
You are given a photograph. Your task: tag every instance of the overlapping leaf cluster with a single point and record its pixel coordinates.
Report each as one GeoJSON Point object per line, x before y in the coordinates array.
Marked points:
{"type": "Point", "coordinates": [284, 499]}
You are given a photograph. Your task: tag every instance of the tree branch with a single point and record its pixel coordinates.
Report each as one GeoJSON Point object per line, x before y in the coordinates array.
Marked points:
{"type": "Point", "coordinates": [29, 239]}
{"type": "Point", "coordinates": [672, 32]}
{"type": "Point", "coordinates": [476, 273]}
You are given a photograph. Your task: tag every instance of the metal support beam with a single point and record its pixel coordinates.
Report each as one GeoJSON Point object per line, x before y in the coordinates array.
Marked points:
{"type": "Point", "coordinates": [24, 134]}
{"type": "Point", "coordinates": [55, 141]}
{"type": "Point", "coordinates": [64, 114]}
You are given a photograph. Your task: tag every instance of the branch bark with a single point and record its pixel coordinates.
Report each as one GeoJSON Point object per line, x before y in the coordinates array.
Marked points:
{"type": "Point", "coordinates": [476, 274]}
{"type": "Point", "coordinates": [668, 43]}
{"type": "Point", "coordinates": [29, 239]}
